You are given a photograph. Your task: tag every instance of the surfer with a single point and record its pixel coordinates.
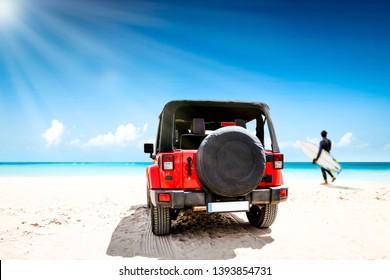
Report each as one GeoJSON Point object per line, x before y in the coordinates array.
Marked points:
{"type": "Point", "coordinates": [326, 145]}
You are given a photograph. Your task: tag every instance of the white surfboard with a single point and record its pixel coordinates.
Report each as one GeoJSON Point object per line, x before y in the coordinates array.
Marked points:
{"type": "Point", "coordinates": [325, 160]}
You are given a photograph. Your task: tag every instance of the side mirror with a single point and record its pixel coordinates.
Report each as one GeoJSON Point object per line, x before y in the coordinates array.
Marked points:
{"type": "Point", "coordinates": [149, 149]}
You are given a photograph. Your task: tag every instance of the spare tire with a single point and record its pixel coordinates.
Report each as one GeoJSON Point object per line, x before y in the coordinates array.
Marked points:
{"type": "Point", "coordinates": [230, 161]}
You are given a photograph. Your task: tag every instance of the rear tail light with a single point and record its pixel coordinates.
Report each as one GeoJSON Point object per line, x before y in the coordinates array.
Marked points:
{"type": "Point", "coordinates": [164, 197]}
{"type": "Point", "coordinates": [223, 124]}
{"type": "Point", "coordinates": [167, 162]}
{"type": "Point", "coordinates": [283, 192]}
{"type": "Point", "coordinates": [278, 161]}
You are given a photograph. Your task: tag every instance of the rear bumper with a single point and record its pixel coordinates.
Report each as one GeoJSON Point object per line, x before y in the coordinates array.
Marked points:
{"type": "Point", "coordinates": [182, 199]}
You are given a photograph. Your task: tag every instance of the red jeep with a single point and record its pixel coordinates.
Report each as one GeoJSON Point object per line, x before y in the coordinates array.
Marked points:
{"type": "Point", "coordinates": [210, 156]}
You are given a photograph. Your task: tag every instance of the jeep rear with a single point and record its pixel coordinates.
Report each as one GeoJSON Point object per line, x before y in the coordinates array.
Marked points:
{"type": "Point", "coordinates": [214, 156]}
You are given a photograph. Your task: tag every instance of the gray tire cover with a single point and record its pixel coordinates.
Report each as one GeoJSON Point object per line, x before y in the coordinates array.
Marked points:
{"type": "Point", "coordinates": [230, 161]}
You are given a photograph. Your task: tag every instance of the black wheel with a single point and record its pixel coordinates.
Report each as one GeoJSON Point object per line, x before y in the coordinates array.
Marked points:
{"type": "Point", "coordinates": [262, 216]}
{"type": "Point", "coordinates": [230, 161]}
{"type": "Point", "coordinates": [161, 220]}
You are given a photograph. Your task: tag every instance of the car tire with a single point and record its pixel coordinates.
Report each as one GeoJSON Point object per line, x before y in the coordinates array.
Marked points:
{"type": "Point", "coordinates": [262, 216]}
{"type": "Point", "coordinates": [161, 220]}
{"type": "Point", "coordinates": [230, 162]}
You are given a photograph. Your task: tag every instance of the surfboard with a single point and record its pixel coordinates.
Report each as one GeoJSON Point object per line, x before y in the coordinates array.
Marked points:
{"type": "Point", "coordinates": [326, 160]}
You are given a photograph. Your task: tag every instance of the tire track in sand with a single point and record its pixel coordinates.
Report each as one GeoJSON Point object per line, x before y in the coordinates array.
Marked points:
{"type": "Point", "coordinates": [255, 232]}
{"type": "Point", "coordinates": [157, 246]}
{"type": "Point", "coordinates": [194, 236]}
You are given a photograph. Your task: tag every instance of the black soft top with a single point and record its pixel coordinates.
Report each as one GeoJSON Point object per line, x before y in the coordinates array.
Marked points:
{"type": "Point", "coordinates": [212, 112]}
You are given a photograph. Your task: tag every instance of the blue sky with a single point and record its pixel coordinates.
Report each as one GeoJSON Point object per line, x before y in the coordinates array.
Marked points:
{"type": "Point", "coordinates": [86, 80]}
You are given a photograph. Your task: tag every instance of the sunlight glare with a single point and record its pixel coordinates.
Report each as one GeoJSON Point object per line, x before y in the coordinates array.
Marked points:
{"type": "Point", "coordinates": [7, 11]}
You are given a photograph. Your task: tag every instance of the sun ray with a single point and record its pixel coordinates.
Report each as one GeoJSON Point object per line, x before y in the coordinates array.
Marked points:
{"type": "Point", "coordinates": [73, 43]}
{"type": "Point", "coordinates": [140, 13]}
{"type": "Point", "coordinates": [8, 10]}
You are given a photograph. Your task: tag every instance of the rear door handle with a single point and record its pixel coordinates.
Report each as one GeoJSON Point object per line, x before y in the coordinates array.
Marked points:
{"type": "Point", "coordinates": [189, 161]}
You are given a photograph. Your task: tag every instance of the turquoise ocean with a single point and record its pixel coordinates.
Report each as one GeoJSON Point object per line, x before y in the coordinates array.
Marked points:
{"type": "Point", "coordinates": [292, 170]}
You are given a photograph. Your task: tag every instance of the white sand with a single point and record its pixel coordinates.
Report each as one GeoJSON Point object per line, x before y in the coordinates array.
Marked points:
{"type": "Point", "coordinates": [106, 217]}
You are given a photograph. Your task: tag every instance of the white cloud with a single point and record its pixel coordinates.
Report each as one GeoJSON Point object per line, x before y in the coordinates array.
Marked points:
{"type": "Point", "coordinates": [145, 128]}
{"type": "Point", "coordinates": [289, 144]}
{"type": "Point", "coordinates": [345, 141]}
{"type": "Point", "coordinates": [53, 134]}
{"type": "Point", "coordinates": [122, 136]}
{"type": "Point", "coordinates": [313, 140]}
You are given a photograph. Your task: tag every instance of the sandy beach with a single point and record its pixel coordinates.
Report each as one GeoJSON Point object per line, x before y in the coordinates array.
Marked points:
{"type": "Point", "coordinates": [94, 218]}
